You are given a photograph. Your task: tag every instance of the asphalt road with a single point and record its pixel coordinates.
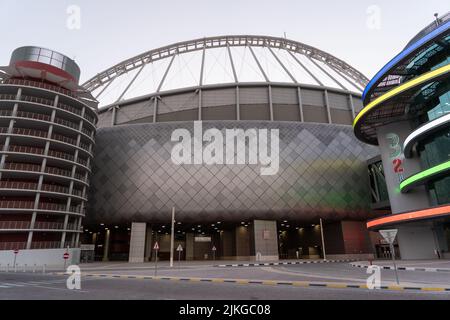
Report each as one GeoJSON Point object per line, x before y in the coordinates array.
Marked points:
{"type": "Point", "coordinates": [50, 286]}
{"type": "Point", "coordinates": [326, 272]}
{"type": "Point", "coordinates": [32, 286]}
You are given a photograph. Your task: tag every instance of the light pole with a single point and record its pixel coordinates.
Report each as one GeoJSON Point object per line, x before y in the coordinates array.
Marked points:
{"type": "Point", "coordinates": [172, 235]}
{"type": "Point", "coordinates": [323, 241]}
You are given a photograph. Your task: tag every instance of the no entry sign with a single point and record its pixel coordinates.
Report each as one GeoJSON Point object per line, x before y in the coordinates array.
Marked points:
{"type": "Point", "coordinates": [66, 256]}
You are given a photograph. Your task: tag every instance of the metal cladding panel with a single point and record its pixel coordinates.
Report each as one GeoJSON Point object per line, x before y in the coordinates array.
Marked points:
{"type": "Point", "coordinates": [285, 95]}
{"type": "Point", "coordinates": [339, 101]}
{"type": "Point", "coordinates": [323, 173]}
{"type": "Point", "coordinates": [341, 116]}
{"type": "Point", "coordinates": [222, 97]}
{"type": "Point", "coordinates": [176, 102]}
{"type": "Point", "coordinates": [357, 104]}
{"type": "Point", "coordinates": [254, 95]}
{"type": "Point", "coordinates": [104, 119]}
{"type": "Point", "coordinates": [286, 112]}
{"type": "Point", "coordinates": [135, 111]}
{"type": "Point", "coordinates": [313, 97]}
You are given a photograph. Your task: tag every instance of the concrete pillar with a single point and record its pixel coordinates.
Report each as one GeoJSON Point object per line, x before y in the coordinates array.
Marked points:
{"type": "Point", "coordinates": [226, 238]}
{"type": "Point", "coordinates": [148, 243]}
{"type": "Point", "coordinates": [137, 242]}
{"type": "Point", "coordinates": [266, 240]}
{"type": "Point", "coordinates": [189, 246]}
{"type": "Point", "coordinates": [416, 241]}
{"type": "Point", "coordinates": [390, 139]}
{"type": "Point", "coordinates": [242, 236]}
{"type": "Point", "coordinates": [106, 246]}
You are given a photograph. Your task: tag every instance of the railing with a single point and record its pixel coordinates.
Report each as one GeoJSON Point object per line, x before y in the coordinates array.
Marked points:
{"type": "Point", "coordinates": [44, 134]}
{"type": "Point", "coordinates": [29, 205]}
{"type": "Point", "coordinates": [34, 186]}
{"type": "Point", "coordinates": [33, 115]}
{"type": "Point", "coordinates": [34, 245]}
{"type": "Point", "coordinates": [48, 102]}
{"type": "Point", "coordinates": [37, 168]}
{"type": "Point", "coordinates": [38, 225]}
{"type": "Point", "coordinates": [51, 153]}
{"type": "Point", "coordinates": [13, 245]}
{"type": "Point", "coordinates": [42, 85]}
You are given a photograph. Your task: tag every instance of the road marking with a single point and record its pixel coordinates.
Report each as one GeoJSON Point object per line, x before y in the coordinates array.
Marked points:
{"type": "Point", "coordinates": [331, 285]}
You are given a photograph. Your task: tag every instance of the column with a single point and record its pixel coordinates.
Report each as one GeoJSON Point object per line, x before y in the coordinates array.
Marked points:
{"type": "Point", "coordinates": [148, 243]}
{"type": "Point", "coordinates": [189, 246]}
{"type": "Point", "coordinates": [266, 240]}
{"type": "Point", "coordinates": [106, 245]}
{"type": "Point", "coordinates": [137, 242]}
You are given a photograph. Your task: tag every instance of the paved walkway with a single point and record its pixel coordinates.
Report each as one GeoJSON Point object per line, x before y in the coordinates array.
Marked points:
{"type": "Point", "coordinates": [409, 265]}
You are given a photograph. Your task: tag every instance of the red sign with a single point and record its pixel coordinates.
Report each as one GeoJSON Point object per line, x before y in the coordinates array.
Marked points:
{"type": "Point", "coordinates": [16, 251]}
{"type": "Point", "coordinates": [156, 246]}
{"type": "Point", "coordinates": [66, 256]}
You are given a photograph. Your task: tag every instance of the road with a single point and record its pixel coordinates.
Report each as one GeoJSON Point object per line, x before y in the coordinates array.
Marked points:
{"type": "Point", "coordinates": [26, 286]}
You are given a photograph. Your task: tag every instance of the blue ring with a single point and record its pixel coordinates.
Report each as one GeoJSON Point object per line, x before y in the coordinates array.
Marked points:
{"type": "Point", "coordinates": [416, 45]}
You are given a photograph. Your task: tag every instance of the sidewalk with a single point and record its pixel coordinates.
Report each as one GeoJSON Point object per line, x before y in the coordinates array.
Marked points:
{"type": "Point", "coordinates": [118, 265]}
{"type": "Point", "coordinates": [442, 265]}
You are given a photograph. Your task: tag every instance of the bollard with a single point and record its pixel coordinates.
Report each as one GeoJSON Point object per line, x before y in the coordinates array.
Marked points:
{"type": "Point", "coordinates": [43, 269]}
{"type": "Point", "coordinates": [15, 267]}
{"type": "Point", "coordinates": [7, 268]}
{"type": "Point", "coordinates": [24, 268]}
{"type": "Point", "coordinates": [34, 268]}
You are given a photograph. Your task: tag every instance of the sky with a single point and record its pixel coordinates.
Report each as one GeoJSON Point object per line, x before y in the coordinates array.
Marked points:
{"type": "Point", "coordinates": [101, 33]}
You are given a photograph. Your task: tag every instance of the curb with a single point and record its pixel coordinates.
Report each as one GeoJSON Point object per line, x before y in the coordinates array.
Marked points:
{"type": "Point", "coordinates": [334, 285]}
{"type": "Point", "coordinates": [280, 263]}
{"type": "Point", "coordinates": [402, 268]}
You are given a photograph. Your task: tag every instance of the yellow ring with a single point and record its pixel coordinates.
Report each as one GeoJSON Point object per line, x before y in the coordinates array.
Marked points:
{"type": "Point", "coordinates": [407, 85]}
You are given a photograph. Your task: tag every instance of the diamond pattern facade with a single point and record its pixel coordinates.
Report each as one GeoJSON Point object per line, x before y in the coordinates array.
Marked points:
{"type": "Point", "coordinates": [323, 173]}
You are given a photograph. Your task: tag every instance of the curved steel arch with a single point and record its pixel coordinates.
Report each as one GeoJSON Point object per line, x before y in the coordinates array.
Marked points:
{"type": "Point", "coordinates": [106, 76]}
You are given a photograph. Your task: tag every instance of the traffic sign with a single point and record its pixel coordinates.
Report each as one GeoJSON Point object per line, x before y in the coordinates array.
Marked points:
{"type": "Point", "coordinates": [16, 251]}
{"type": "Point", "coordinates": [179, 248]}
{"type": "Point", "coordinates": [66, 255]}
{"type": "Point", "coordinates": [156, 246]}
{"type": "Point", "coordinates": [214, 248]}
{"type": "Point", "coordinates": [389, 235]}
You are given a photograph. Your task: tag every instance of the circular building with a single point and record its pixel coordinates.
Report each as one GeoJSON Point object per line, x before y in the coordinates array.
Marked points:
{"type": "Point", "coordinates": [47, 132]}
{"type": "Point", "coordinates": [406, 112]}
{"type": "Point", "coordinates": [248, 138]}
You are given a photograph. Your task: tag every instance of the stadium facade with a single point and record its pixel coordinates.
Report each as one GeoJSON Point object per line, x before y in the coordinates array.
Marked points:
{"type": "Point", "coordinates": [230, 83]}
{"type": "Point", "coordinates": [406, 112]}
{"type": "Point", "coordinates": [115, 205]}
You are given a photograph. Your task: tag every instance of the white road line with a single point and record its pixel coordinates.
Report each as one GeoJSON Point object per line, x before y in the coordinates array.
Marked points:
{"type": "Point", "coordinates": [13, 285]}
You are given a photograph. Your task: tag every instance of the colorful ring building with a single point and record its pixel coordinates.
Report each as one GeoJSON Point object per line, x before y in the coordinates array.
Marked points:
{"type": "Point", "coordinates": [407, 113]}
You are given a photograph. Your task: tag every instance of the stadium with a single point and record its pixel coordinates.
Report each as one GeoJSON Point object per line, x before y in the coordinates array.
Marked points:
{"type": "Point", "coordinates": [318, 199]}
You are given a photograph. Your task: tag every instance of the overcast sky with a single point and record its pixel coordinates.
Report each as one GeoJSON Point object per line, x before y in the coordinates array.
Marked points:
{"type": "Point", "coordinates": [366, 34]}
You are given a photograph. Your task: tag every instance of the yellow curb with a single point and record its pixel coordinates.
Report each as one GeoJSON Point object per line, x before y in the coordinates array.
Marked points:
{"type": "Point", "coordinates": [336, 285]}
{"type": "Point", "coordinates": [363, 286]}
{"type": "Point", "coordinates": [242, 281]}
{"type": "Point", "coordinates": [395, 288]}
{"type": "Point", "coordinates": [300, 284]}
{"type": "Point", "coordinates": [268, 282]}
{"type": "Point", "coordinates": [433, 289]}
